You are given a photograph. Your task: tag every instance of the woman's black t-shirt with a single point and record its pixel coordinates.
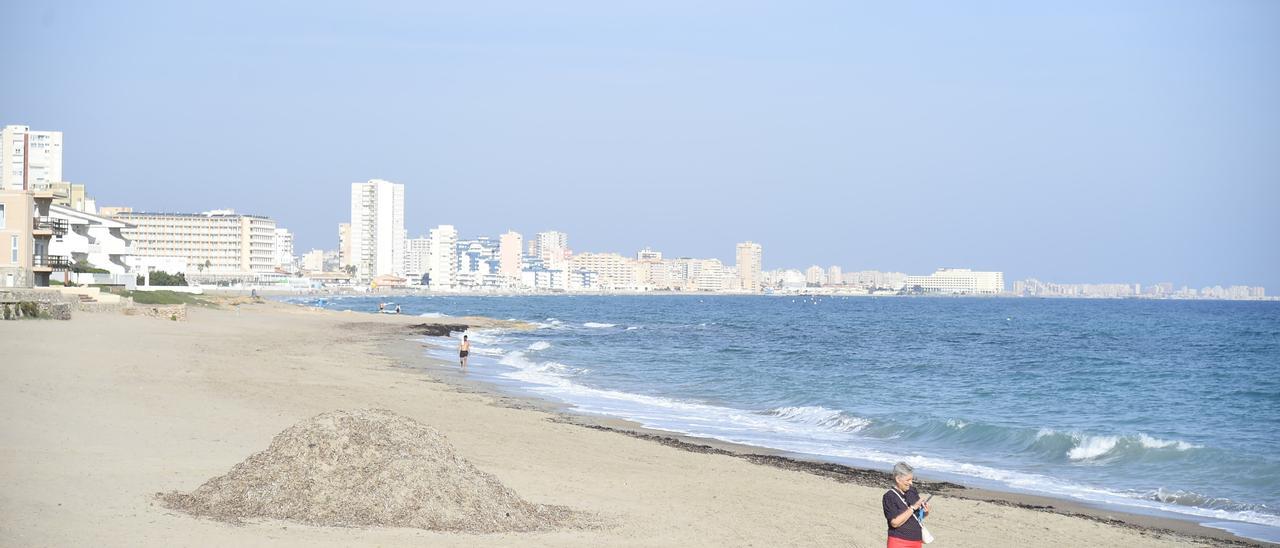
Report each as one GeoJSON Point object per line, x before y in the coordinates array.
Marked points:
{"type": "Point", "coordinates": [893, 507]}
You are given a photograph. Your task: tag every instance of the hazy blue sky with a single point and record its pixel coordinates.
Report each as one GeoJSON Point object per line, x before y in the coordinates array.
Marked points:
{"type": "Point", "coordinates": [1083, 141]}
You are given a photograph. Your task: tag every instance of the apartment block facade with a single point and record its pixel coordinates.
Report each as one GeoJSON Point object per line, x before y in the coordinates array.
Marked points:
{"type": "Point", "coordinates": [29, 159]}
{"type": "Point", "coordinates": [377, 229]}
{"type": "Point", "coordinates": [750, 256]}
{"type": "Point", "coordinates": [216, 245]}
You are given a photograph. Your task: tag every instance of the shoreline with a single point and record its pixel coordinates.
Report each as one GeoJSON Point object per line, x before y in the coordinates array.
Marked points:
{"type": "Point", "coordinates": [138, 406]}
{"type": "Point", "coordinates": [446, 372]}
{"type": "Point", "coordinates": [410, 292]}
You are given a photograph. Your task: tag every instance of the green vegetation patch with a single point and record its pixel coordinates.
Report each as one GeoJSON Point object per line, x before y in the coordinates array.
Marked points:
{"type": "Point", "coordinates": [166, 297]}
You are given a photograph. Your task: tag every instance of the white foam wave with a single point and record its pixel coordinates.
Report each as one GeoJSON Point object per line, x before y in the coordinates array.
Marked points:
{"type": "Point", "coordinates": [432, 315]}
{"type": "Point", "coordinates": [821, 416]}
{"type": "Point", "coordinates": [957, 424]}
{"type": "Point", "coordinates": [486, 337]}
{"type": "Point", "coordinates": [547, 372]}
{"type": "Point", "coordinates": [596, 325]}
{"type": "Point", "coordinates": [540, 345]}
{"type": "Point", "coordinates": [633, 327]}
{"type": "Point", "coordinates": [549, 323]}
{"type": "Point", "coordinates": [1089, 447]}
{"type": "Point", "coordinates": [1157, 443]}
{"type": "Point", "coordinates": [820, 431]}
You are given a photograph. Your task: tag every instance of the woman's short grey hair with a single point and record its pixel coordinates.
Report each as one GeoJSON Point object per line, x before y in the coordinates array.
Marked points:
{"type": "Point", "coordinates": [902, 470]}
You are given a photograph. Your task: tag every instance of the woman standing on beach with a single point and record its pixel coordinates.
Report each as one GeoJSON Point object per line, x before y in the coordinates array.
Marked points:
{"type": "Point", "coordinates": [900, 504]}
{"type": "Point", "coordinates": [463, 350]}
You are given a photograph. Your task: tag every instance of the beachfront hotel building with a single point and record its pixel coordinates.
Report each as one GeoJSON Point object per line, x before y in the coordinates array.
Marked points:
{"type": "Point", "coordinates": [442, 268]}
{"type": "Point", "coordinates": [958, 281]}
{"type": "Point", "coordinates": [510, 255]}
{"type": "Point", "coordinates": [29, 159]}
{"type": "Point", "coordinates": [749, 259]}
{"type": "Point", "coordinates": [377, 229]}
{"type": "Point", "coordinates": [219, 245]}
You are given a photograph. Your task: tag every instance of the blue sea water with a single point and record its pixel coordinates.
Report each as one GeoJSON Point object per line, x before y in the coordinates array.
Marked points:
{"type": "Point", "coordinates": [1163, 407]}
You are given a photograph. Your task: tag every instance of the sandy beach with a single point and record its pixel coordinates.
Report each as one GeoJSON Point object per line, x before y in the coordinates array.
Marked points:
{"type": "Point", "coordinates": [106, 410]}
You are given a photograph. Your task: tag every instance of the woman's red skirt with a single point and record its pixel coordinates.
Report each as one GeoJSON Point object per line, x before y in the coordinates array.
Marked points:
{"type": "Point", "coordinates": [895, 542]}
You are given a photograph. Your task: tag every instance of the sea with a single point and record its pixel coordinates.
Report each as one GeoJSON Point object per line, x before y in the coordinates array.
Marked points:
{"type": "Point", "coordinates": [1160, 407]}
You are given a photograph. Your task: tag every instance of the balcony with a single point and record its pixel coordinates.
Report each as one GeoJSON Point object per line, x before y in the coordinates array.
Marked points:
{"type": "Point", "coordinates": [49, 263]}
{"type": "Point", "coordinates": [48, 226]}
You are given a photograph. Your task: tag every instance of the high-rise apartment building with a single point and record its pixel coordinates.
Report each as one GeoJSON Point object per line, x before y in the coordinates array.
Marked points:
{"type": "Point", "coordinates": [313, 261]}
{"type": "Point", "coordinates": [707, 275]}
{"type": "Point", "coordinates": [479, 256]}
{"type": "Point", "coordinates": [835, 275]}
{"type": "Point", "coordinates": [814, 275]}
{"type": "Point", "coordinates": [29, 159]}
{"type": "Point", "coordinates": [218, 244]}
{"type": "Point", "coordinates": [552, 248]}
{"type": "Point", "coordinates": [344, 245]}
{"type": "Point", "coordinates": [613, 271]}
{"type": "Point", "coordinates": [73, 195]}
{"type": "Point", "coordinates": [377, 228]}
{"type": "Point", "coordinates": [284, 248]}
{"type": "Point", "coordinates": [443, 266]}
{"type": "Point", "coordinates": [417, 257]}
{"type": "Point", "coordinates": [510, 258]}
{"type": "Point", "coordinates": [652, 274]}
{"type": "Point", "coordinates": [749, 258]}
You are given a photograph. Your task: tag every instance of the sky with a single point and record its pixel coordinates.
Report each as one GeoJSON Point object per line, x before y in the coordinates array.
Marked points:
{"type": "Point", "coordinates": [1072, 141]}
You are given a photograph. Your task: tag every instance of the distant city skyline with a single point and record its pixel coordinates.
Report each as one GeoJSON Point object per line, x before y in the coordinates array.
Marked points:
{"type": "Point", "coordinates": [1082, 143]}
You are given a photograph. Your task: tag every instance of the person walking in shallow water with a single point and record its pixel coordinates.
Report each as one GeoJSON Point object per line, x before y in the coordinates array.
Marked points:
{"type": "Point", "coordinates": [463, 350]}
{"type": "Point", "coordinates": [901, 502]}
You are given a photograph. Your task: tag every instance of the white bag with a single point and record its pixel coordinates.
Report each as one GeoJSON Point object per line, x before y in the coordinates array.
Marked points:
{"type": "Point", "coordinates": [925, 535]}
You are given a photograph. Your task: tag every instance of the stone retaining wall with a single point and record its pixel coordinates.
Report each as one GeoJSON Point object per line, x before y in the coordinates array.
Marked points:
{"type": "Point", "coordinates": [116, 307]}
{"type": "Point", "coordinates": [50, 304]}
{"type": "Point", "coordinates": [175, 312]}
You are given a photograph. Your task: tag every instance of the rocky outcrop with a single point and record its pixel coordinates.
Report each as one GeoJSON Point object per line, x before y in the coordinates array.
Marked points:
{"type": "Point", "coordinates": [438, 329]}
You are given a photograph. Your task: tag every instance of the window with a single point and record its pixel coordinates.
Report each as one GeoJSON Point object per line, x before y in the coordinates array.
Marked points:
{"type": "Point", "coordinates": [14, 258]}
{"type": "Point", "coordinates": [1, 215]}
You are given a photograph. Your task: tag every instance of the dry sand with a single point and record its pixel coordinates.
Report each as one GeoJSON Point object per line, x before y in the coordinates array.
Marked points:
{"type": "Point", "coordinates": [369, 468]}
{"type": "Point", "coordinates": [105, 412]}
